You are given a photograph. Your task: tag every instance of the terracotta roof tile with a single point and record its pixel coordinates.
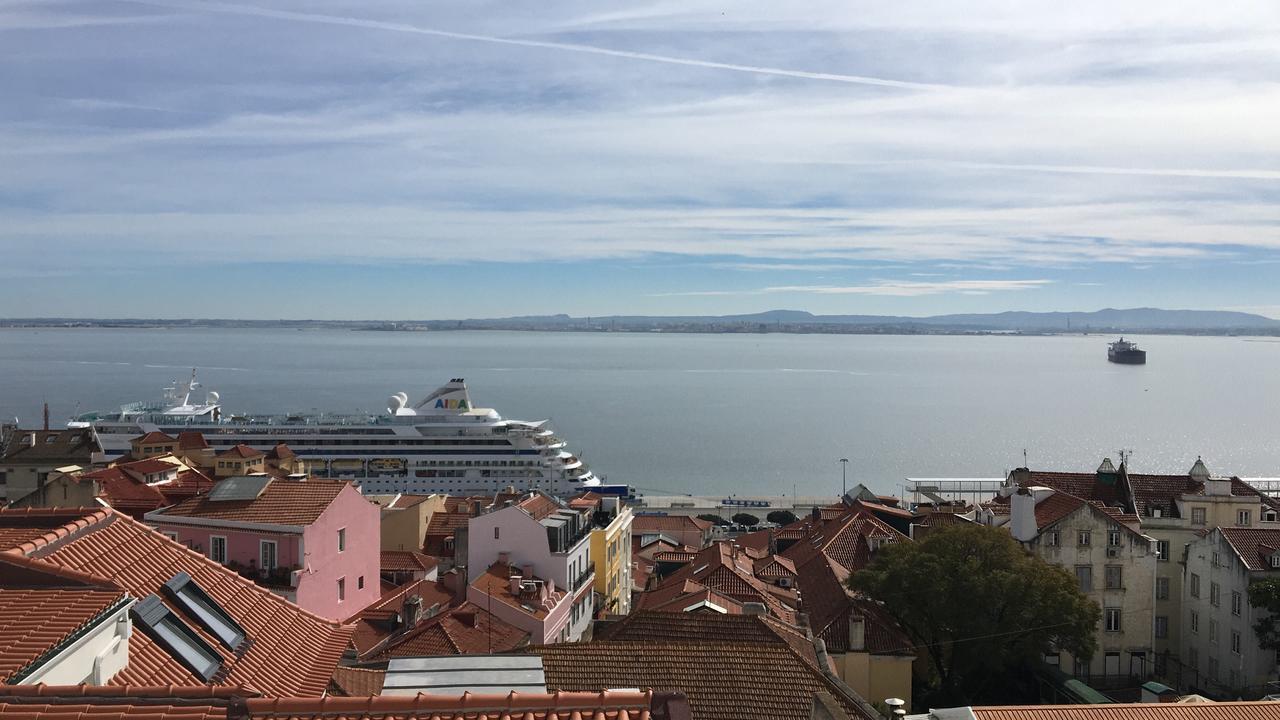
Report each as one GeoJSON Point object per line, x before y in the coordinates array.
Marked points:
{"type": "Point", "coordinates": [288, 651]}
{"type": "Point", "coordinates": [1253, 545]}
{"type": "Point", "coordinates": [66, 446]}
{"type": "Point", "coordinates": [464, 630]}
{"type": "Point", "coordinates": [380, 621]}
{"type": "Point", "coordinates": [191, 440]}
{"type": "Point", "coordinates": [709, 627]}
{"type": "Point", "coordinates": [241, 451]}
{"type": "Point", "coordinates": [607, 705]}
{"type": "Point", "coordinates": [357, 682]}
{"type": "Point", "coordinates": [407, 561]}
{"type": "Point", "coordinates": [647, 524]}
{"type": "Point", "coordinates": [85, 702]}
{"type": "Point", "coordinates": [148, 466]}
{"type": "Point", "coordinates": [723, 680]}
{"type": "Point", "coordinates": [281, 451]}
{"type": "Point", "coordinates": [282, 502]}
{"type": "Point", "coordinates": [838, 538]}
{"type": "Point", "coordinates": [730, 573]}
{"type": "Point", "coordinates": [35, 621]}
{"type": "Point", "coordinates": [540, 506]}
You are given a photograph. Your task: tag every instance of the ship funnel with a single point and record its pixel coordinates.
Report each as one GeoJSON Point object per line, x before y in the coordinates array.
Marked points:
{"type": "Point", "coordinates": [450, 398]}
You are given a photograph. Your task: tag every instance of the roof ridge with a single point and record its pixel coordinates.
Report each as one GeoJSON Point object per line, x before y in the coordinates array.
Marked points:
{"type": "Point", "coordinates": [37, 564]}
{"type": "Point", "coordinates": [77, 522]}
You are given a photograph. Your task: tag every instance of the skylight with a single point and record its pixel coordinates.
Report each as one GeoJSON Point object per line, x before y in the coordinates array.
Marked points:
{"type": "Point", "coordinates": [204, 610]}
{"type": "Point", "coordinates": [155, 618]}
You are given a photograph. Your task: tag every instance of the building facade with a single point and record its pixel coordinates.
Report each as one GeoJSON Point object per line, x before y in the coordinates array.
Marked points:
{"type": "Point", "coordinates": [611, 556]}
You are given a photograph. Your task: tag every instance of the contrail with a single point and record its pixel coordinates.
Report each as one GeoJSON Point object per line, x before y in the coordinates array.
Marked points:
{"type": "Point", "coordinates": [235, 9]}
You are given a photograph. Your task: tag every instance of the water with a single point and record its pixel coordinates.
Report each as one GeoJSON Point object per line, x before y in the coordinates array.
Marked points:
{"type": "Point", "coordinates": [720, 414]}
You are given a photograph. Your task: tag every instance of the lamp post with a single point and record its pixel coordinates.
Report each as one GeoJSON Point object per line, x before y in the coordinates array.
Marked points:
{"type": "Point", "coordinates": [844, 476]}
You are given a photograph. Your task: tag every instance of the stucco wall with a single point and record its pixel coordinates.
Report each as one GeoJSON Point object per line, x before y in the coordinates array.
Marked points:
{"type": "Point", "coordinates": [242, 545]}
{"type": "Point", "coordinates": [525, 540]}
{"type": "Point", "coordinates": [876, 677]}
{"type": "Point", "coordinates": [323, 564]}
{"type": "Point", "coordinates": [542, 631]}
{"type": "Point", "coordinates": [611, 555]}
{"type": "Point", "coordinates": [93, 658]}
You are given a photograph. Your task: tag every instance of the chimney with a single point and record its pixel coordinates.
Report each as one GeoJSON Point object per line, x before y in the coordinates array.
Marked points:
{"type": "Point", "coordinates": [29, 440]}
{"type": "Point", "coordinates": [1107, 473]}
{"type": "Point", "coordinates": [857, 633]}
{"type": "Point", "coordinates": [515, 585]}
{"type": "Point", "coordinates": [466, 618]}
{"type": "Point", "coordinates": [1022, 515]}
{"type": "Point", "coordinates": [504, 558]}
{"type": "Point", "coordinates": [753, 608]}
{"type": "Point", "coordinates": [551, 585]}
{"type": "Point", "coordinates": [412, 609]}
{"type": "Point", "coordinates": [527, 570]}
{"type": "Point", "coordinates": [476, 508]}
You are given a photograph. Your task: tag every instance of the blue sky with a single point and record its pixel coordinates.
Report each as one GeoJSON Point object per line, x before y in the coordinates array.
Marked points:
{"type": "Point", "coordinates": [333, 159]}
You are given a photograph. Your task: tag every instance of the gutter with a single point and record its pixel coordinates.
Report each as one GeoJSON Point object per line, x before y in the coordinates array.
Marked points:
{"type": "Point", "coordinates": [160, 516]}
{"type": "Point", "coordinates": [70, 641]}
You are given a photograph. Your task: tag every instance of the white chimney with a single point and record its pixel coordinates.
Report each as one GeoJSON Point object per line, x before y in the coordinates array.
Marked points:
{"type": "Point", "coordinates": [1022, 515]}
{"type": "Point", "coordinates": [857, 633]}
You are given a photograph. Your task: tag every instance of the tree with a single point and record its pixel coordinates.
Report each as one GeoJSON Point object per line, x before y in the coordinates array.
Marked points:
{"type": "Point", "coordinates": [782, 517]}
{"type": "Point", "coordinates": [1265, 595]}
{"type": "Point", "coordinates": [713, 518]}
{"type": "Point", "coordinates": [978, 606]}
{"type": "Point", "coordinates": [746, 519]}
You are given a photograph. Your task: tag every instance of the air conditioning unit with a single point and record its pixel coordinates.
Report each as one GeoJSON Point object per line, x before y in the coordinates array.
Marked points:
{"type": "Point", "coordinates": [1113, 552]}
{"type": "Point", "coordinates": [784, 582]}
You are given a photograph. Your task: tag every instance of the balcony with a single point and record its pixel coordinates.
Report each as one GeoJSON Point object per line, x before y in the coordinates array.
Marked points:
{"type": "Point", "coordinates": [583, 579]}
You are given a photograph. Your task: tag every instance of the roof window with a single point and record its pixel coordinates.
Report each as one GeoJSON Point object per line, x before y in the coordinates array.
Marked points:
{"type": "Point", "coordinates": [204, 609]}
{"type": "Point", "coordinates": [175, 636]}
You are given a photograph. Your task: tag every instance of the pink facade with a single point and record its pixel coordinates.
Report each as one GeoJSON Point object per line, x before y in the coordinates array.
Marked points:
{"type": "Point", "coordinates": [542, 631]}
{"type": "Point", "coordinates": [309, 558]}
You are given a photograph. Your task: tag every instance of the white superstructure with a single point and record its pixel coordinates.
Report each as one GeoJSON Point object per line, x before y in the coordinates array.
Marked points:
{"type": "Point", "coordinates": [442, 443]}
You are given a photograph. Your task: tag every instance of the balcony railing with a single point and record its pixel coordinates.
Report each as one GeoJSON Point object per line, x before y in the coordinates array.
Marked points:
{"type": "Point", "coordinates": [584, 578]}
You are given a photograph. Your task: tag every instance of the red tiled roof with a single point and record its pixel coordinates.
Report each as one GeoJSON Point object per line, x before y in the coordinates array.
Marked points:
{"type": "Point", "coordinates": [380, 620]}
{"type": "Point", "coordinates": [540, 506]}
{"type": "Point", "coordinates": [67, 446]}
{"type": "Point", "coordinates": [680, 596]}
{"type": "Point", "coordinates": [838, 538]}
{"type": "Point", "coordinates": [281, 503]}
{"type": "Point", "coordinates": [1253, 545]}
{"type": "Point", "coordinates": [191, 440]}
{"type": "Point", "coordinates": [709, 627]}
{"type": "Point", "coordinates": [153, 438]}
{"type": "Point", "coordinates": [586, 501]}
{"type": "Point", "coordinates": [1134, 711]}
{"type": "Point", "coordinates": [407, 561]}
{"type": "Point", "coordinates": [288, 651]}
{"type": "Point", "coordinates": [405, 500]}
{"type": "Point", "coordinates": [942, 518]}
{"type": "Point", "coordinates": [124, 492]}
{"type": "Point", "coordinates": [149, 466]}
{"type": "Point", "coordinates": [357, 682]}
{"type": "Point", "coordinates": [240, 451]}
{"type": "Point", "coordinates": [496, 584]}
{"type": "Point", "coordinates": [724, 680]}
{"type": "Point", "coordinates": [185, 485]}
{"type": "Point", "coordinates": [280, 452]}
{"type": "Point", "coordinates": [1086, 486]}
{"type": "Point", "coordinates": [41, 702]}
{"type": "Point", "coordinates": [730, 573]}
{"type": "Point", "coordinates": [42, 606]}
{"type": "Point", "coordinates": [1056, 507]}
{"type": "Point", "coordinates": [646, 524]}
{"type": "Point", "coordinates": [464, 630]}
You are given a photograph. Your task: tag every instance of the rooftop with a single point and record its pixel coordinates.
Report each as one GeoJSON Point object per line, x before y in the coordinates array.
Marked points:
{"type": "Point", "coordinates": [281, 502]}
{"type": "Point", "coordinates": [646, 524]}
{"type": "Point", "coordinates": [240, 451]}
{"type": "Point", "coordinates": [41, 446]}
{"type": "Point", "coordinates": [287, 650]}
{"type": "Point", "coordinates": [407, 561]}
{"type": "Point", "coordinates": [1134, 711]}
{"type": "Point", "coordinates": [464, 630]}
{"type": "Point", "coordinates": [1253, 545]}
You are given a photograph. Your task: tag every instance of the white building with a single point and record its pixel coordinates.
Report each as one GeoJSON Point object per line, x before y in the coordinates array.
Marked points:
{"type": "Point", "coordinates": [1220, 654]}
{"type": "Point", "coordinates": [545, 537]}
{"type": "Point", "coordinates": [1113, 562]}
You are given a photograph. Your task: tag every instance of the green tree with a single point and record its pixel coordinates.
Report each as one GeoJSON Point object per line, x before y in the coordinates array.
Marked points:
{"type": "Point", "coordinates": [978, 606]}
{"type": "Point", "coordinates": [746, 519]}
{"type": "Point", "coordinates": [782, 517]}
{"type": "Point", "coordinates": [1265, 595]}
{"type": "Point", "coordinates": [712, 517]}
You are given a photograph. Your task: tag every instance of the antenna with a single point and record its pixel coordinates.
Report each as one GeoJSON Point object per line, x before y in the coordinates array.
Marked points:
{"type": "Point", "coordinates": [46, 417]}
{"type": "Point", "coordinates": [1125, 454]}
{"type": "Point", "coordinates": [1024, 459]}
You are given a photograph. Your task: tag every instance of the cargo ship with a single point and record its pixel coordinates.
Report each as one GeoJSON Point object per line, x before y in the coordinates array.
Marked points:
{"type": "Point", "coordinates": [1126, 353]}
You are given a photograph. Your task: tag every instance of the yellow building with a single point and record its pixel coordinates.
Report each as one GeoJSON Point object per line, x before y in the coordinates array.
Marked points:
{"type": "Point", "coordinates": [405, 518]}
{"type": "Point", "coordinates": [611, 555]}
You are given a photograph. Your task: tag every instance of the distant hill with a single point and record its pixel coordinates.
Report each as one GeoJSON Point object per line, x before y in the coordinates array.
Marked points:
{"type": "Point", "coordinates": [1109, 319]}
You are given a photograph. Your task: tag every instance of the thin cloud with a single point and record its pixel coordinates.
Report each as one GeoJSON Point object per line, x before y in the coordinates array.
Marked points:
{"type": "Point", "coordinates": [886, 288]}
{"type": "Point", "coordinates": [234, 9]}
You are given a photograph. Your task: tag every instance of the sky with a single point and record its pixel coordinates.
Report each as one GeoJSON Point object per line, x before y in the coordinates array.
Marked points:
{"type": "Point", "coordinates": [421, 159]}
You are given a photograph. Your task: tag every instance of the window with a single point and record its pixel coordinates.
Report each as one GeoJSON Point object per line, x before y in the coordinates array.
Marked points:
{"type": "Point", "coordinates": [1215, 560]}
{"type": "Point", "coordinates": [496, 530]}
{"type": "Point", "coordinates": [267, 554]}
{"type": "Point", "coordinates": [1112, 577]}
{"type": "Point", "coordinates": [1162, 626]}
{"type": "Point", "coordinates": [1215, 594]}
{"type": "Point", "coordinates": [1195, 622]}
{"type": "Point", "coordinates": [1051, 538]}
{"type": "Point", "coordinates": [1113, 538]}
{"type": "Point", "coordinates": [1112, 616]}
{"type": "Point", "coordinates": [204, 609]}
{"type": "Point", "coordinates": [1236, 602]}
{"type": "Point", "coordinates": [1195, 586]}
{"type": "Point", "coordinates": [1162, 588]}
{"type": "Point", "coordinates": [1243, 517]}
{"type": "Point", "coordinates": [1162, 550]}
{"type": "Point", "coordinates": [1197, 516]}
{"type": "Point", "coordinates": [1084, 576]}
{"type": "Point", "coordinates": [1213, 668]}
{"type": "Point", "coordinates": [1193, 658]}
{"type": "Point", "coordinates": [342, 589]}
{"type": "Point", "coordinates": [1080, 668]}
{"type": "Point", "coordinates": [1213, 630]}
{"type": "Point", "coordinates": [1082, 538]}
{"type": "Point", "coordinates": [1269, 516]}
{"type": "Point", "coordinates": [176, 637]}
{"type": "Point", "coordinates": [218, 549]}
{"type": "Point", "coordinates": [1275, 560]}
{"type": "Point", "coordinates": [360, 583]}
{"type": "Point", "coordinates": [170, 534]}
{"type": "Point", "coordinates": [342, 539]}
{"type": "Point", "coordinates": [1235, 642]}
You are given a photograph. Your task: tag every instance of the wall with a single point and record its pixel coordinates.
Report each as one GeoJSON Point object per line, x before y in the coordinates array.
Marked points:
{"type": "Point", "coordinates": [405, 529]}
{"type": "Point", "coordinates": [61, 491]}
{"type": "Point", "coordinates": [611, 554]}
{"type": "Point", "coordinates": [542, 631]}
{"type": "Point", "coordinates": [242, 545]}
{"type": "Point", "coordinates": [1134, 599]}
{"type": "Point", "coordinates": [525, 540]}
{"type": "Point", "coordinates": [876, 677]}
{"type": "Point", "coordinates": [323, 564]}
{"type": "Point", "coordinates": [1253, 667]}
{"type": "Point", "coordinates": [106, 647]}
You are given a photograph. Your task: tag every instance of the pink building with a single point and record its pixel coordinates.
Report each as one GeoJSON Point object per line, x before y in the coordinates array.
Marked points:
{"type": "Point", "coordinates": [315, 542]}
{"type": "Point", "coordinates": [523, 600]}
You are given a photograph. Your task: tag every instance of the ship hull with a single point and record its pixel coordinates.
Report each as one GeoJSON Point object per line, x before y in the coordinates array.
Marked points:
{"type": "Point", "coordinates": [1128, 357]}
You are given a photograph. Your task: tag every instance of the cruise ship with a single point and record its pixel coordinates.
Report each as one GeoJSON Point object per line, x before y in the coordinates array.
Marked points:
{"type": "Point", "coordinates": [440, 444]}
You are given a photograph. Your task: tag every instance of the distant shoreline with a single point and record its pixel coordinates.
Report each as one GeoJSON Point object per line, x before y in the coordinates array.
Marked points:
{"type": "Point", "coordinates": [671, 326]}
